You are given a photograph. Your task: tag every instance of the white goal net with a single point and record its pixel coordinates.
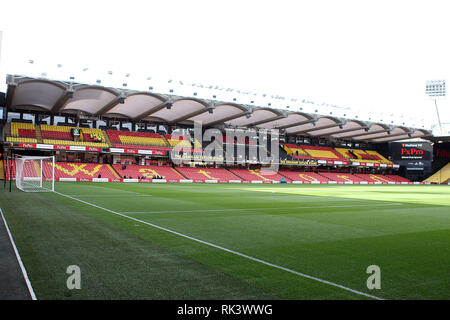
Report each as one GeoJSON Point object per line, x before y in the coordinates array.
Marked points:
{"type": "Point", "coordinates": [35, 174]}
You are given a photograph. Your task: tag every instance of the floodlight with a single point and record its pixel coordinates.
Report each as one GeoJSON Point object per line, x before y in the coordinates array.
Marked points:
{"type": "Point", "coordinates": [436, 89]}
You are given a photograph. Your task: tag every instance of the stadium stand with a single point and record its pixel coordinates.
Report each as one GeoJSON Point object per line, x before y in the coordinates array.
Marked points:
{"type": "Point", "coordinates": [369, 156]}
{"type": "Point", "coordinates": [63, 135]}
{"type": "Point", "coordinates": [375, 177]}
{"type": "Point", "coordinates": [441, 176]}
{"type": "Point", "coordinates": [323, 153]}
{"type": "Point", "coordinates": [181, 141]}
{"type": "Point", "coordinates": [148, 172]}
{"type": "Point", "coordinates": [137, 140]}
{"type": "Point", "coordinates": [257, 175]}
{"type": "Point", "coordinates": [379, 157]}
{"type": "Point", "coordinates": [303, 176]}
{"type": "Point", "coordinates": [342, 177]}
{"type": "Point", "coordinates": [22, 133]}
{"type": "Point", "coordinates": [81, 170]}
{"type": "Point", "coordinates": [202, 174]}
{"type": "Point", "coordinates": [397, 178]}
{"type": "Point", "coordinates": [296, 152]}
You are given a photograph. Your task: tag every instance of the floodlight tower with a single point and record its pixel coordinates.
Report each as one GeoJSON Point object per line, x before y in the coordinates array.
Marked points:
{"type": "Point", "coordinates": [435, 89]}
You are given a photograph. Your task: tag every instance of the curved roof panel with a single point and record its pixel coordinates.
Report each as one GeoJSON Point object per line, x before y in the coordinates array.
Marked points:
{"type": "Point", "coordinates": [257, 115]}
{"type": "Point", "coordinates": [29, 93]}
{"type": "Point", "coordinates": [89, 100]}
{"type": "Point", "coordinates": [136, 104]}
{"type": "Point", "coordinates": [179, 109]}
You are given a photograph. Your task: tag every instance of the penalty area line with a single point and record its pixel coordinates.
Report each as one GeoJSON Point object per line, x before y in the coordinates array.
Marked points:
{"type": "Point", "coordinates": [226, 249]}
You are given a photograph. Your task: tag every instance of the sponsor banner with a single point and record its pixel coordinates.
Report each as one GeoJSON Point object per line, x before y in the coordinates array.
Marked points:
{"type": "Point", "coordinates": [315, 182]}
{"type": "Point", "coordinates": [235, 181]}
{"type": "Point", "coordinates": [404, 182]}
{"type": "Point", "coordinates": [130, 180]}
{"type": "Point", "coordinates": [297, 182]}
{"type": "Point", "coordinates": [74, 148]}
{"type": "Point", "coordinates": [416, 182]}
{"type": "Point", "coordinates": [116, 150]}
{"type": "Point", "coordinates": [159, 180]}
{"type": "Point", "coordinates": [135, 151]}
{"type": "Point", "coordinates": [67, 179]}
{"type": "Point", "coordinates": [300, 162]}
{"type": "Point", "coordinates": [100, 180]}
{"type": "Point", "coordinates": [211, 181]}
{"type": "Point", "coordinates": [391, 182]}
{"type": "Point", "coordinates": [376, 164]}
{"type": "Point", "coordinates": [348, 182]}
{"type": "Point", "coordinates": [186, 181]}
{"type": "Point", "coordinates": [363, 182]}
{"type": "Point", "coordinates": [31, 179]}
{"type": "Point", "coordinates": [256, 181]}
{"type": "Point", "coordinates": [332, 182]}
{"type": "Point", "coordinates": [384, 165]}
{"type": "Point", "coordinates": [44, 146]}
{"type": "Point", "coordinates": [378, 182]}
{"type": "Point", "coordinates": [276, 181]}
{"type": "Point", "coordinates": [27, 145]}
{"type": "Point", "coordinates": [355, 163]}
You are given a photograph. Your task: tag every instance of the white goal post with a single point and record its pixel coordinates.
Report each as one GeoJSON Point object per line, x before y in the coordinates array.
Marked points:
{"type": "Point", "coordinates": [35, 174]}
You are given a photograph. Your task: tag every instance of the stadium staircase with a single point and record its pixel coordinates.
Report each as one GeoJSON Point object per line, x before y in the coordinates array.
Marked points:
{"type": "Point", "coordinates": [39, 134]}
{"type": "Point", "coordinates": [107, 141]}
{"type": "Point", "coordinates": [115, 173]}
{"type": "Point", "coordinates": [441, 176]}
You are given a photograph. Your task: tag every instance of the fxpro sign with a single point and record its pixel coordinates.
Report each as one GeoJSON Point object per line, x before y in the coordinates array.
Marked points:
{"type": "Point", "coordinates": [412, 151]}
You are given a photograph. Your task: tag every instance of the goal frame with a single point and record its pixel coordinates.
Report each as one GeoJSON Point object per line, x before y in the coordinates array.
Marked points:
{"type": "Point", "coordinates": [19, 162]}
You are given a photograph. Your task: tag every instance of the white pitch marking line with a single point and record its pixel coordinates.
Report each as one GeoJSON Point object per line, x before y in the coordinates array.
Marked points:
{"type": "Point", "coordinates": [22, 267]}
{"type": "Point", "coordinates": [227, 250]}
{"type": "Point", "coordinates": [255, 209]}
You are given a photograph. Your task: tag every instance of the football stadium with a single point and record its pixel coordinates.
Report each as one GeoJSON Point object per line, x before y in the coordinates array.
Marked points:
{"type": "Point", "coordinates": [119, 192]}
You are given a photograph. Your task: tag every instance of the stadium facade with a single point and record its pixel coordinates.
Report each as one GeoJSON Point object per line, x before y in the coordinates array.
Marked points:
{"type": "Point", "coordinates": [109, 134]}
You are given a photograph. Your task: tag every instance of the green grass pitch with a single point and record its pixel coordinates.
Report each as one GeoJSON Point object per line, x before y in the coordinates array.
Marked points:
{"type": "Point", "coordinates": [329, 232]}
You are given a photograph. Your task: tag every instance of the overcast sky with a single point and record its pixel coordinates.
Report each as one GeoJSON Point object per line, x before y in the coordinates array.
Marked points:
{"type": "Point", "coordinates": [370, 56]}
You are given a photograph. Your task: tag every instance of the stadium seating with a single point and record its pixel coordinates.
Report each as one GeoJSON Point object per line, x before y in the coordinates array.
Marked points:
{"type": "Point", "coordinates": [182, 142]}
{"type": "Point", "coordinates": [323, 153]}
{"type": "Point", "coordinates": [137, 140]}
{"type": "Point", "coordinates": [22, 133]}
{"type": "Point", "coordinates": [303, 176]}
{"type": "Point", "coordinates": [148, 172]}
{"type": "Point", "coordinates": [441, 176]}
{"type": "Point", "coordinates": [341, 177]}
{"type": "Point", "coordinates": [296, 152]}
{"type": "Point", "coordinates": [257, 175]}
{"type": "Point", "coordinates": [375, 177]}
{"type": "Point", "coordinates": [363, 156]}
{"type": "Point", "coordinates": [379, 157]}
{"type": "Point", "coordinates": [81, 170]}
{"type": "Point", "coordinates": [202, 174]}
{"type": "Point", "coordinates": [397, 178]}
{"type": "Point", "coordinates": [63, 135]}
